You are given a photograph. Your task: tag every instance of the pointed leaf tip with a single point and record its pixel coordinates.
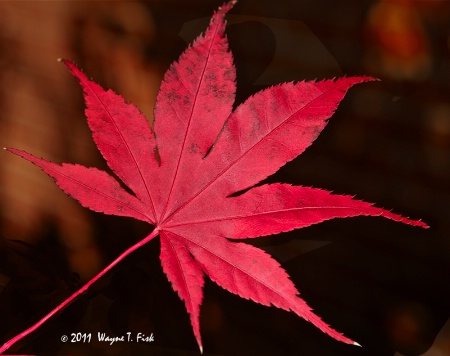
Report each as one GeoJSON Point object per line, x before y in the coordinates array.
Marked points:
{"type": "Point", "coordinates": [64, 61]}
{"type": "Point", "coordinates": [227, 6]}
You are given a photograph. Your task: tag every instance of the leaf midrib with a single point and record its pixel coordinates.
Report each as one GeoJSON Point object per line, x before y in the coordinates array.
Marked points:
{"type": "Point", "coordinates": [217, 177]}
{"type": "Point", "coordinates": [87, 84]}
{"type": "Point", "coordinates": [169, 197]}
{"type": "Point", "coordinates": [255, 278]}
{"type": "Point", "coordinates": [243, 216]}
{"type": "Point", "coordinates": [100, 192]}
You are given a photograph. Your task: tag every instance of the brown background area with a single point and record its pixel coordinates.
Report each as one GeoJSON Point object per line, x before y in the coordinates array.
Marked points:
{"type": "Point", "coordinates": [384, 284]}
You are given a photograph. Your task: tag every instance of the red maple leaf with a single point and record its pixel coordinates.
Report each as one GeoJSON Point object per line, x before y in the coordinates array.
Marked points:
{"type": "Point", "coordinates": [185, 173]}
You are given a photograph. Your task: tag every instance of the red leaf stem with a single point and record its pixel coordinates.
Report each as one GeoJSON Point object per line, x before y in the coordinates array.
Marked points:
{"type": "Point", "coordinates": [83, 289]}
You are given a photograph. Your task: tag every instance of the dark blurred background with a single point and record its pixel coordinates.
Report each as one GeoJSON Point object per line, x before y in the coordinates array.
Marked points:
{"type": "Point", "coordinates": [384, 284]}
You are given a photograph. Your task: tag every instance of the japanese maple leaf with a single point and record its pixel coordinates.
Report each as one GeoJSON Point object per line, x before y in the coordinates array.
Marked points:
{"type": "Point", "coordinates": [185, 174]}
